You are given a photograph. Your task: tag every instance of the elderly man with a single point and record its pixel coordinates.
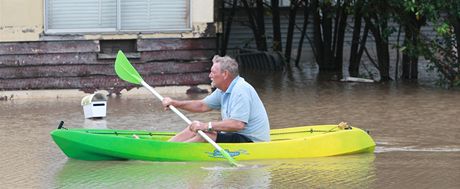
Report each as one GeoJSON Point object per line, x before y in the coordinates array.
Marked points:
{"type": "Point", "coordinates": [244, 118]}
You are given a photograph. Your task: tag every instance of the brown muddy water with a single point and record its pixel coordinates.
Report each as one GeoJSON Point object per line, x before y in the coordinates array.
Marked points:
{"type": "Point", "coordinates": [416, 129]}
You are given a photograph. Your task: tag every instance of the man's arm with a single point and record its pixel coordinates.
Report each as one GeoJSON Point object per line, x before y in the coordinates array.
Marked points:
{"type": "Point", "coordinates": [189, 105]}
{"type": "Point", "coordinates": [228, 125]}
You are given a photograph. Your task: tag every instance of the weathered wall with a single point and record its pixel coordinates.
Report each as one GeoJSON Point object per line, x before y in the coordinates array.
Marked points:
{"type": "Point", "coordinates": [21, 20]}
{"type": "Point", "coordinates": [31, 59]}
{"type": "Point", "coordinates": [75, 64]}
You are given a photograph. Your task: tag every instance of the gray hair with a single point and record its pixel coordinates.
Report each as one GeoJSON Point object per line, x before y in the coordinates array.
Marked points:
{"type": "Point", "coordinates": [227, 63]}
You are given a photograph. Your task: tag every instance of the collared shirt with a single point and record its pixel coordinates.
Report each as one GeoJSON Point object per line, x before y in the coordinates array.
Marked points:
{"type": "Point", "coordinates": [241, 102]}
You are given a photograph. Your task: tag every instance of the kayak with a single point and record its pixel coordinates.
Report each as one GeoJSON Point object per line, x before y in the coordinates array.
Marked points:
{"type": "Point", "coordinates": [295, 142]}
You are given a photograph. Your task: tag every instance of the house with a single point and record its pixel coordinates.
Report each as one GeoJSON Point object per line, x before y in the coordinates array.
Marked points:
{"type": "Point", "coordinates": [71, 44]}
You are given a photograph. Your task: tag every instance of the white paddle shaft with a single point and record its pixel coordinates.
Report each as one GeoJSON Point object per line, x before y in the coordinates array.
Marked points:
{"type": "Point", "coordinates": [186, 119]}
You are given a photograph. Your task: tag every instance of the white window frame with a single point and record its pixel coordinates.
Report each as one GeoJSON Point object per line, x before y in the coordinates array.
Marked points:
{"type": "Point", "coordinates": [118, 29]}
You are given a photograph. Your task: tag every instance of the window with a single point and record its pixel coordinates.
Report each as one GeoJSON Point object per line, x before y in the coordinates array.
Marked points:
{"type": "Point", "coordinates": [252, 3]}
{"type": "Point", "coordinates": [79, 16]}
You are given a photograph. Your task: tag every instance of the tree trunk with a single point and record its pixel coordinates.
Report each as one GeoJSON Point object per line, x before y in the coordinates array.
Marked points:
{"type": "Point", "coordinates": [354, 59]}
{"type": "Point", "coordinates": [398, 48]}
{"type": "Point", "coordinates": [306, 14]}
{"type": "Point", "coordinates": [252, 22]}
{"type": "Point", "coordinates": [276, 26]}
{"type": "Point", "coordinates": [410, 58]}
{"type": "Point", "coordinates": [406, 64]}
{"type": "Point", "coordinates": [384, 58]}
{"type": "Point", "coordinates": [317, 36]}
{"type": "Point", "coordinates": [381, 44]}
{"type": "Point", "coordinates": [329, 35]}
{"type": "Point", "coordinates": [260, 20]}
{"type": "Point", "coordinates": [414, 58]}
{"type": "Point", "coordinates": [327, 64]}
{"type": "Point", "coordinates": [362, 45]}
{"type": "Point", "coordinates": [456, 24]}
{"type": "Point", "coordinates": [228, 28]}
{"type": "Point", "coordinates": [340, 36]}
{"type": "Point", "coordinates": [292, 15]}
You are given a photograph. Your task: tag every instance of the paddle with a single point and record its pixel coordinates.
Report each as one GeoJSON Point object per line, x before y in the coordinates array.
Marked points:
{"type": "Point", "coordinates": [127, 72]}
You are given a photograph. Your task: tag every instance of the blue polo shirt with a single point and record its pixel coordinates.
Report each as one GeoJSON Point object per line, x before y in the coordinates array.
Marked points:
{"type": "Point", "coordinates": [241, 102]}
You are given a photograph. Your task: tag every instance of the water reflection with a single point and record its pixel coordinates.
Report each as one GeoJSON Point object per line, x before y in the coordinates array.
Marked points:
{"type": "Point", "coordinates": [139, 174]}
{"type": "Point", "coordinates": [353, 171]}
{"type": "Point", "coordinates": [95, 123]}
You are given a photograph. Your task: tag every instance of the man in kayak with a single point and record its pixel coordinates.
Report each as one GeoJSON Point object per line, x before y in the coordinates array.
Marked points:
{"type": "Point", "coordinates": [244, 118]}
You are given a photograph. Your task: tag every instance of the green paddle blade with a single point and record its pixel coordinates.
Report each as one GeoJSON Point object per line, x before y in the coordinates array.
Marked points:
{"type": "Point", "coordinates": [125, 70]}
{"type": "Point", "coordinates": [230, 159]}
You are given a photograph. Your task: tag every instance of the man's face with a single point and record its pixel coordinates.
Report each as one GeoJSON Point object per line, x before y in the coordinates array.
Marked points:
{"type": "Point", "coordinates": [216, 75]}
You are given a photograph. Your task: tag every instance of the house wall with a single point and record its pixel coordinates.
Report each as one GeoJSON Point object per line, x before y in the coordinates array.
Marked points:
{"type": "Point", "coordinates": [32, 59]}
{"type": "Point", "coordinates": [23, 20]}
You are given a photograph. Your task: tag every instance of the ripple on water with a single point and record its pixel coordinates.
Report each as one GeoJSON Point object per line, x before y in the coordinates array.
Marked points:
{"type": "Point", "coordinates": [330, 172]}
{"type": "Point", "coordinates": [383, 149]}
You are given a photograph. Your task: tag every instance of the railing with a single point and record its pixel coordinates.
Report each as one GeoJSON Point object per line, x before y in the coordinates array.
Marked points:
{"type": "Point", "coordinates": [259, 60]}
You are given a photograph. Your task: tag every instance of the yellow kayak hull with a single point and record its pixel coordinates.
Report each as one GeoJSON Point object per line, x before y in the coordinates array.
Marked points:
{"type": "Point", "coordinates": [296, 142]}
{"type": "Point", "coordinates": [307, 141]}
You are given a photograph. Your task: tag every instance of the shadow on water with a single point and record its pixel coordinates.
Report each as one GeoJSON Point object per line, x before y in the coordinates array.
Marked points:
{"type": "Point", "coordinates": [355, 170]}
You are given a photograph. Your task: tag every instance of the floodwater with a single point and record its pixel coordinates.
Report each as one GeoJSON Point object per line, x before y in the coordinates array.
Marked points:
{"type": "Point", "coordinates": [416, 129]}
